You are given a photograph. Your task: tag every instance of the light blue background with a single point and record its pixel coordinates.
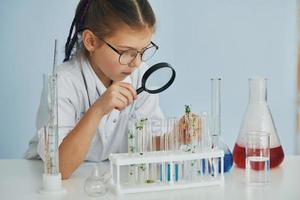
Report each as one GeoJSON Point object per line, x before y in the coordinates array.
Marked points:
{"type": "Point", "coordinates": [231, 39]}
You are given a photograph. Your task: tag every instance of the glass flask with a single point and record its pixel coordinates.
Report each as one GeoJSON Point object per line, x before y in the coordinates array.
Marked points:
{"type": "Point", "coordinates": [96, 184]}
{"type": "Point", "coordinates": [258, 118]}
{"type": "Point", "coordinates": [217, 141]}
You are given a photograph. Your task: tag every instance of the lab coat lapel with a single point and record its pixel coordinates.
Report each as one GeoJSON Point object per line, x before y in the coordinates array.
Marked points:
{"type": "Point", "coordinates": [90, 80]}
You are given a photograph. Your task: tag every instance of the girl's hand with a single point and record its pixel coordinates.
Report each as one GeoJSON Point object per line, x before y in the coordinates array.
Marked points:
{"type": "Point", "coordinates": [119, 95]}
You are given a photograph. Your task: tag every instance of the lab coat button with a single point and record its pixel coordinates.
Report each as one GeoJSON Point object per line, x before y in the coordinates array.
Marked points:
{"type": "Point", "coordinates": [115, 120]}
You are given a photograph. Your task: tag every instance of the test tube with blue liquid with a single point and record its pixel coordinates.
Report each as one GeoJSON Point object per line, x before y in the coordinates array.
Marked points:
{"type": "Point", "coordinates": [170, 136]}
{"type": "Point", "coordinates": [203, 144]}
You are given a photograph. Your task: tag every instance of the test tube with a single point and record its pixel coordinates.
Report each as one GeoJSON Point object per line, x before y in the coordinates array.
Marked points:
{"type": "Point", "coordinates": [205, 144]}
{"type": "Point", "coordinates": [173, 144]}
{"type": "Point", "coordinates": [155, 128]}
{"type": "Point", "coordinates": [192, 133]}
{"type": "Point", "coordinates": [132, 148]}
{"type": "Point", "coordinates": [169, 135]}
{"type": "Point", "coordinates": [152, 148]}
{"type": "Point", "coordinates": [162, 148]}
{"type": "Point", "coordinates": [141, 147]}
{"type": "Point", "coordinates": [177, 147]}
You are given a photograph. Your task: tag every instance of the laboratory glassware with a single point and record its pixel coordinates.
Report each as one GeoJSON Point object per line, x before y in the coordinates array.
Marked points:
{"type": "Point", "coordinates": [257, 158]}
{"type": "Point", "coordinates": [137, 143]}
{"type": "Point", "coordinates": [121, 160]}
{"type": "Point", "coordinates": [215, 123]}
{"type": "Point", "coordinates": [258, 118]}
{"type": "Point", "coordinates": [97, 183]}
{"type": "Point", "coordinates": [49, 133]}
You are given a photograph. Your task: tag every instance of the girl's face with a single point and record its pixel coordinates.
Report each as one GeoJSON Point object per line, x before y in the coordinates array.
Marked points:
{"type": "Point", "coordinates": [105, 61]}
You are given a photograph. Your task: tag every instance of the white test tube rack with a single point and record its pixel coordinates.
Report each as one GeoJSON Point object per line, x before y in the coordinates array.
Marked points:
{"type": "Point", "coordinates": [162, 157]}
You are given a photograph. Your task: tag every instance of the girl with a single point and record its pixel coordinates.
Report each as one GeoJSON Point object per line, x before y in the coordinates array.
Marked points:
{"type": "Point", "coordinates": [97, 85]}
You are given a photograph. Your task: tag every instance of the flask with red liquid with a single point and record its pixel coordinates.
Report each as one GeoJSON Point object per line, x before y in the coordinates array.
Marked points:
{"type": "Point", "coordinates": [258, 118]}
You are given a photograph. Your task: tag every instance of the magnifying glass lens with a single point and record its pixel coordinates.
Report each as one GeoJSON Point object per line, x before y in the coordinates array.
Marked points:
{"type": "Point", "coordinates": [158, 78]}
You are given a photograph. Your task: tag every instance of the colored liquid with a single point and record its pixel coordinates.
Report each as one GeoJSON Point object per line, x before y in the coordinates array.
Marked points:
{"type": "Point", "coordinates": [258, 163]}
{"type": "Point", "coordinates": [176, 172]}
{"type": "Point", "coordinates": [276, 156]}
{"type": "Point", "coordinates": [228, 161]}
{"type": "Point", "coordinates": [257, 170]}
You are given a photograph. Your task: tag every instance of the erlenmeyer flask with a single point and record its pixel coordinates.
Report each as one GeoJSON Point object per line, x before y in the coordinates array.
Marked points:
{"type": "Point", "coordinates": [258, 118]}
{"type": "Point", "coordinates": [217, 141]}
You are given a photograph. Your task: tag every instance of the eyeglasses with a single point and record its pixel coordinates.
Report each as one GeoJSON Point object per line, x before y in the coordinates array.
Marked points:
{"type": "Point", "coordinates": [127, 56]}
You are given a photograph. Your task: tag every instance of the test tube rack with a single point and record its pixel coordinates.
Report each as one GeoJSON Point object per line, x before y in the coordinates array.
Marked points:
{"type": "Point", "coordinates": [211, 168]}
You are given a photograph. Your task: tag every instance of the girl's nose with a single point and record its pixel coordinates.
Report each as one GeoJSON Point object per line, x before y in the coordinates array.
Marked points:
{"type": "Point", "coordinates": [136, 62]}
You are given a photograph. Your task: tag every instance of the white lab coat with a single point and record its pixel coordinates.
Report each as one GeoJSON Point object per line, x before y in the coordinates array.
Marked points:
{"type": "Point", "coordinates": [111, 135]}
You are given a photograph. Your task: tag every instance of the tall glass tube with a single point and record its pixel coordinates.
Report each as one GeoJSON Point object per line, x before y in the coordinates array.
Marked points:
{"type": "Point", "coordinates": [216, 123]}
{"type": "Point", "coordinates": [51, 162]}
{"type": "Point", "coordinates": [52, 176]}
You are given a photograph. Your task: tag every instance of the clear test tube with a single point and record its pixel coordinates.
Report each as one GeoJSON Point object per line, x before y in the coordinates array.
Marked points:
{"type": "Point", "coordinates": [169, 135]}
{"type": "Point", "coordinates": [172, 129]}
{"type": "Point", "coordinates": [199, 140]}
{"type": "Point", "coordinates": [183, 142]}
{"type": "Point", "coordinates": [166, 133]}
{"type": "Point", "coordinates": [132, 148]}
{"type": "Point", "coordinates": [145, 149]}
{"type": "Point", "coordinates": [162, 148]}
{"type": "Point", "coordinates": [154, 127]}
{"type": "Point", "coordinates": [141, 140]}
{"type": "Point", "coordinates": [205, 144]}
{"type": "Point", "coordinates": [173, 146]}
{"type": "Point", "coordinates": [152, 173]}
{"type": "Point", "coordinates": [190, 137]}
{"type": "Point", "coordinates": [197, 134]}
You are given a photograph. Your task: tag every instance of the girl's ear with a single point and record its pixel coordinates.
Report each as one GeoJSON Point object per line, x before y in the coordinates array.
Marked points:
{"type": "Point", "coordinates": [89, 40]}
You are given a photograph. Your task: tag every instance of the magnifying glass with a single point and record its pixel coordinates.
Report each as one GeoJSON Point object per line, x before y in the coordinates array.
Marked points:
{"type": "Point", "coordinates": [157, 78]}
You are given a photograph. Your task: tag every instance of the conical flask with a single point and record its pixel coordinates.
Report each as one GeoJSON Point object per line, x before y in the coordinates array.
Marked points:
{"type": "Point", "coordinates": [258, 118]}
{"type": "Point", "coordinates": [215, 130]}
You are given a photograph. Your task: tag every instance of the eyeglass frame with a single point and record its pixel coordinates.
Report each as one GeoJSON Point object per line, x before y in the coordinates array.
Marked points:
{"type": "Point", "coordinates": [138, 52]}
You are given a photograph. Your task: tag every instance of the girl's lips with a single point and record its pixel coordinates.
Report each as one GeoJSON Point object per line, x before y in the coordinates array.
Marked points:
{"type": "Point", "coordinates": [126, 73]}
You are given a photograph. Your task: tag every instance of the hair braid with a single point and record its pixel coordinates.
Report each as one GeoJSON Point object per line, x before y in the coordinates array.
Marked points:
{"type": "Point", "coordinates": [77, 23]}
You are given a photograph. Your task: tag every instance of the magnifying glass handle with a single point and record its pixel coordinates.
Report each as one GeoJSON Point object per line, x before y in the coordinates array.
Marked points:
{"type": "Point", "coordinates": [139, 90]}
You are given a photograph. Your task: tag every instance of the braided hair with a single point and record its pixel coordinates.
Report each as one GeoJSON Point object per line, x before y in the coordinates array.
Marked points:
{"type": "Point", "coordinates": [103, 17]}
{"type": "Point", "coordinates": [78, 24]}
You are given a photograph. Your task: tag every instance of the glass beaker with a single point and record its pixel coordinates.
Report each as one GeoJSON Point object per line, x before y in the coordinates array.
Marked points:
{"type": "Point", "coordinates": [257, 158]}
{"type": "Point", "coordinates": [258, 118]}
{"type": "Point", "coordinates": [215, 129]}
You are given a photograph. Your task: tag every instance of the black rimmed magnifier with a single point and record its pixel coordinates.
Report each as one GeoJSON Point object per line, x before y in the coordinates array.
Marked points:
{"type": "Point", "coordinates": [157, 78]}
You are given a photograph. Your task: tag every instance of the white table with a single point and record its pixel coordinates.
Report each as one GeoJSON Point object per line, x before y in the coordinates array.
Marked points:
{"type": "Point", "coordinates": [20, 179]}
